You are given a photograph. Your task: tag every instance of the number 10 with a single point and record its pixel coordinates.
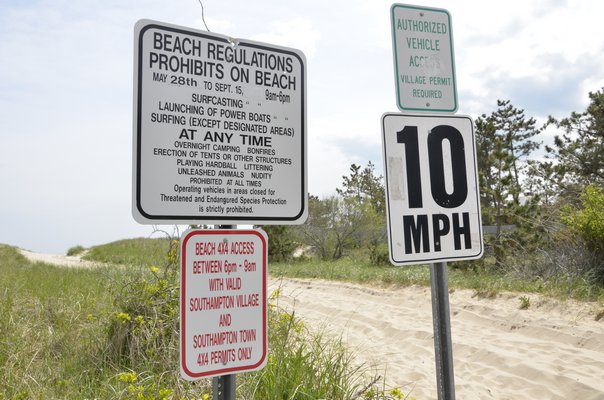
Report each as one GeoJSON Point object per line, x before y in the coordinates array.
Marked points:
{"type": "Point", "coordinates": [409, 137]}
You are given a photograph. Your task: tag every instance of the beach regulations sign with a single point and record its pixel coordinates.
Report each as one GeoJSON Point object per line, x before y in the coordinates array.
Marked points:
{"type": "Point", "coordinates": [219, 129]}
{"type": "Point", "coordinates": [223, 302]}
{"type": "Point", "coordinates": [424, 62]}
{"type": "Point", "coordinates": [433, 204]}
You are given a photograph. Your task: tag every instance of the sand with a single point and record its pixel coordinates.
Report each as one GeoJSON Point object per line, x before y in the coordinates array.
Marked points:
{"type": "Point", "coordinates": [552, 350]}
{"type": "Point", "coordinates": [58, 259]}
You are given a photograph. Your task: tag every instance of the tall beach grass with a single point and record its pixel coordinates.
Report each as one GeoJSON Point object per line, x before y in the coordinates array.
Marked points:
{"type": "Point", "coordinates": [112, 333]}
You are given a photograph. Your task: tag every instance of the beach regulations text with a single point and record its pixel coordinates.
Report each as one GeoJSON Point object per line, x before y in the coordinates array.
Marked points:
{"type": "Point", "coordinates": [223, 316]}
{"type": "Point", "coordinates": [219, 129]}
{"type": "Point", "coordinates": [423, 59]}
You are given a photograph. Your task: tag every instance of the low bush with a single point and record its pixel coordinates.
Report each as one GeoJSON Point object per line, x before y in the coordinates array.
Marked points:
{"type": "Point", "coordinates": [75, 250]}
{"type": "Point", "coordinates": [143, 343]}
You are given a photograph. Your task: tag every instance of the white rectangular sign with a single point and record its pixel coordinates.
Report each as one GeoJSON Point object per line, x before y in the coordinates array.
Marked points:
{"type": "Point", "coordinates": [432, 194]}
{"type": "Point", "coordinates": [219, 131]}
{"type": "Point", "coordinates": [424, 62]}
{"type": "Point", "coordinates": [223, 302]}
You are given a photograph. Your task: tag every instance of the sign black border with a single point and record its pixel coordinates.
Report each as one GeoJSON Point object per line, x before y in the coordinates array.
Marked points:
{"type": "Point", "coordinates": [430, 258]}
{"type": "Point", "coordinates": [139, 88]}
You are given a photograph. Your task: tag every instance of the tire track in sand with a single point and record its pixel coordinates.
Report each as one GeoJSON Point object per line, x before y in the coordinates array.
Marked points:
{"type": "Point", "coordinates": [554, 350]}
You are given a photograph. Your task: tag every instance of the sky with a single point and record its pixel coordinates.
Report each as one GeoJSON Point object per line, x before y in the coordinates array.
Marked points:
{"type": "Point", "coordinates": [66, 89]}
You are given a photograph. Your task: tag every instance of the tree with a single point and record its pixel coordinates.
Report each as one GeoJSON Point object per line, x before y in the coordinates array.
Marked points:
{"type": "Point", "coordinates": [364, 185]}
{"type": "Point", "coordinates": [542, 182]}
{"type": "Point", "coordinates": [354, 218]}
{"type": "Point", "coordinates": [493, 163]}
{"type": "Point", "coordinates": [505, 142]}
{"type": "Point", "coordinates": [364, 189]}
{"type": "Point", "coordinates": [516, 132]}
{"type": "Point", "coordinates": [337, 224]}
{"type": "Point", "coordinates": [504, 145]}
{"type": "Point", "coordinates": [282, 243]}
{"type": "Point", "coordinates": [579, 151]}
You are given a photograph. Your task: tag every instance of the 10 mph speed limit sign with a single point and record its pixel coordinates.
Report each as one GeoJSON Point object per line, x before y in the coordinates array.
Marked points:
{"type": "Point", "coordinates": [431, 188]}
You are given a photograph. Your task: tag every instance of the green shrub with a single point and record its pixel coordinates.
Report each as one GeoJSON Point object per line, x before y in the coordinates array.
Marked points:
{"type": "Point", "coordinates": [144, 328]}
{"type": "Point", "coordinates": [75, 250]}
{"type": "Point", "coordinates": [378, 253]}
{"type": "Point", "coordinates": [588, 221]}
{"type": "Point", "coordinates": [143, 343]}
{"type": "Point", "coordinates": [281, 242]}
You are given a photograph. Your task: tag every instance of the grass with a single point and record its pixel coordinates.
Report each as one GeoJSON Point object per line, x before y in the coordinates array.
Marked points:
{"type": "Point", "coordinates": [111, 333]}
{"type": "Point", "coordinates": [50, 329]}
{"type": "Point", "coordinates": [137, 252]}
{"type": "Point", "coordinates": [352, 270]}
{"type": "Point", "coordinates": [525, 302]}
{"type": "Point", "coordinates": [358, 269]}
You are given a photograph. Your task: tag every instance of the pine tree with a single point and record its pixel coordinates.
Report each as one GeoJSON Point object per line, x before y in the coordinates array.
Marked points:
{"type": "Point", "coordinates": [579, 151]}
{"type": "Point", "coordinates": [516, 132]}
{"type": "Point", "coordinates": [504, 144]}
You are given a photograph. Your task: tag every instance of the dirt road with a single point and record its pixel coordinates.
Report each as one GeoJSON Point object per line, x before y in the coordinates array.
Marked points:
{"type": "Point", "coordinates": [552, 350]}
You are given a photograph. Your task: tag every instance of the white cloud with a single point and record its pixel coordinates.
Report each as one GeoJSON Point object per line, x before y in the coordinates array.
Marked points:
{"type": "Point", "coordinates": [297, 33]}
{"type": "Point", "coordinates": [327, 160]}
{"type": "Point", "coordinates": [216, 25]}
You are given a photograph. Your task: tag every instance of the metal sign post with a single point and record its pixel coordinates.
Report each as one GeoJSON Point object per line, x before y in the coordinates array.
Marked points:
{"type": "Point", "coordinates": [441, 317]}
{"type": "Point", "coordinates": [431, 175]}
{"type": "Point", "coordinates": [224, 387]}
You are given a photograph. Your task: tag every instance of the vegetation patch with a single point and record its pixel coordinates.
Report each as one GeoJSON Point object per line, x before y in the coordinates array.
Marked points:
{"type": "Point", "coordinates": [75, 250]}
{"type": "Point", "coordinates": [525, 302]}
{"type": "Point", "coordinates": [143, 252]}
{"type": "Point", "coordinates": [65, 335]}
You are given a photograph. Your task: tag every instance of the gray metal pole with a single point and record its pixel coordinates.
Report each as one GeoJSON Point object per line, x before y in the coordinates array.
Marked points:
{"type": "Point", "coordinates": [441, 317]}
{"type": "Point", "coordinates": [224, 386]}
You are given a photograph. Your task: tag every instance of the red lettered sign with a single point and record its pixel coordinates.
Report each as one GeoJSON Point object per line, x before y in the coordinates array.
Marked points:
{"type": "Point", "coordinates": [223, 306]}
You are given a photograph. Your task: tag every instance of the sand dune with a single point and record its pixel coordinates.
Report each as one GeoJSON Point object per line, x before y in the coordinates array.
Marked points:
{"type": "Point", "coordinates": [59, 259]}
{"type": "Point", "coordinates": [552, 350]}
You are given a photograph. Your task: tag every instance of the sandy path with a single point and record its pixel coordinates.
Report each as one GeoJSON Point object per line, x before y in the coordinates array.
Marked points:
{"type": "Point", "coordinates": [553, 350]}
{"type": "Point", "coordinates": [58, 259]}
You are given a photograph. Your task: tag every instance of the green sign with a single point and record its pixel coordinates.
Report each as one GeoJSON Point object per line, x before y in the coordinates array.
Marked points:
{"type": "Point", "coordinates": [424, 62]}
